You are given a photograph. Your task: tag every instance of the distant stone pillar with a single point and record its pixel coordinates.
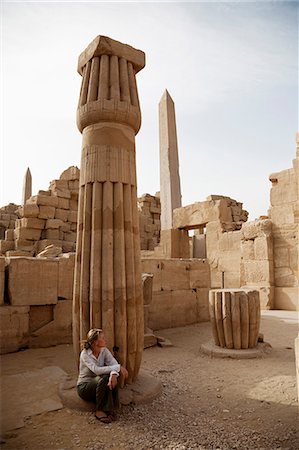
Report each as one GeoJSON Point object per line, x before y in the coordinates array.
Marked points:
{"type": "Point", "coordinates": [27, 186]}
{"type": "Point", "coordinates": [107, 285]}
{"type": "Point", "coordinates": [170, 186]}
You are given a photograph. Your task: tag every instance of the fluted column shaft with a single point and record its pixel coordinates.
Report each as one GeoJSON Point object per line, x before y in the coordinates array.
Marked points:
{"type": "Point", "coordinates": [107, 286]}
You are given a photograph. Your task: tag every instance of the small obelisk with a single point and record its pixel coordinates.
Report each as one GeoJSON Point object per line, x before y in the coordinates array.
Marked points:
{"type": "Point", "coordinates": [170, 186]}
{"type": "Point", "coordinates": [107, 285]}
{"type": "Point", "coordinates": [27, 186]}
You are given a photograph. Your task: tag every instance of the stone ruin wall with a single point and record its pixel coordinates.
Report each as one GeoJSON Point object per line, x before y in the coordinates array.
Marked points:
{"type": "Point", "coordinates": [149, 208]}
{"type": "Point", "coordinates": [50, 217]}
{"type": "Point", "coordinates": [284, 215]}
{"type": "Point", "coordinates": [36, 293]}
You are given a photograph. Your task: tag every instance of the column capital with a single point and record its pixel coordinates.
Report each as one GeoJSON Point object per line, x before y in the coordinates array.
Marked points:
{"type": "Point", "coordinates": [103, 45]}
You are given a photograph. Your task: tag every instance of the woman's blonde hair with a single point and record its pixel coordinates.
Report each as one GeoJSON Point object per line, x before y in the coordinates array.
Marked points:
{"type": "Point", "coordinates": [92, 336]}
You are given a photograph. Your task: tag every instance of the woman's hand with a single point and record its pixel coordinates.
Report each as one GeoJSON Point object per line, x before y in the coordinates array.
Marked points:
{"type": "Point", "coordinates": [112, 381]}
{"type": "Point", "coordinates": [123, 372]}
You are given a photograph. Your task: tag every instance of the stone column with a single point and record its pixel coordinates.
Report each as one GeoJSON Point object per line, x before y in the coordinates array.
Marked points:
{"type": "Point", "coordinates": [170, 187]}
{"type": "Point", "coordinates": [107, 285]}
{"type": "Point", "coordinates": [27, 186]}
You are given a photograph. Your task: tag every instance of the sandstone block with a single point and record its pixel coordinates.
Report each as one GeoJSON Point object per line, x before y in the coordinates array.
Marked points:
{"type": "Point", "coordinates": [281, 257]}
{"type": "Point", "coordinates": [62, 193]}
{"type": "Point", "coordinates": [199, 274]}
{"type": "Point", "coordinates": [32, 281]}
{"type": "Point", "coordinates": [50, 252]}
{"type": "Point", "coordinates": [31, 222]}
{"type": "Point", "coordinates": [286, 298]}
{"type": "Point", "coordinates": [6, 245]}
{"type": "Point", "coordinates": [42, 244]}
{"type": "Point", "coordinates": [51, 234]}
{"type": "Point", "coordinates": [73, 185]}
{"type": "Point", "coordinates": [53, 223]}
{"type": "Point", "coordinates": [66, 265]}
{"type": "Point", "coordinates": [73, 204]}
{"type": "Point", "coordinates": [58, 331]}
{"type": "Point", "coordinates": [202, 296]}
{"type": "Point", "coordinates": [9, 235]}
{"type": "Point", "coordinates": [70, 236]}
{"type": "Point", "coordinates": [14, 328]}
{"type": "Point", "coordinates": [63, 203]}
{"type": "Point", "coordinates": [31, 234]}
{"type": "Point", "coordinates": [44, 200]}
{"type": "Point", "coordinates": [58, 184]}
{"type": "Point", "coordinates": [231, 279]}
{"type": "Point", "coordinates": [46, 212]}
{"type": "Point", "coordinates": [25, 245]}
{"type": "Point", "coordinates": [61, 214]}
{"type": "Point", "coordinates": [256, 273]}
{"type": "Point", "coordinates": [29, 210]}
{"type": "Point", "coordinates": [263, 248]}
{"type": "Point", "coordinates": [251, 230]}
{"type": "Point", "coordinates": [68, 247]}
{"type": "Point", "coordinates": [282, 214]}
{"type": "Point", "coordinates": [73, 216]}
{"type": "Point", "coordinates": [247, 250]}
{"type": "Point", "coordinates": [72, 173]}
{"type": "Point", "coordinates": [11, 253]}
{"type": "Point", "coordinates": [229, 261]}
{"type": "Point", "coordinates": [175, 274]}
{"type": "Point", "coordinates": [173, 309]}
{"type": "Point", "coordinates": [285, 277]}
{"type": "Point", "coordinates": [2, 279]}
{"type": "Point", "coordinates": [293, 255]}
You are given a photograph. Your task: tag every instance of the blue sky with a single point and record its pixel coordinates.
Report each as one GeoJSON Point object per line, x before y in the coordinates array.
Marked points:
{"type": "Point", "coordinates": [230, 67]}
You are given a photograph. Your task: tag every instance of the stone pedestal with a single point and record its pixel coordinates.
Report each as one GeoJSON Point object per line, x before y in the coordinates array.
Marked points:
{"type": "Point", "coordinates": [107, 286]}
{"type": "Point", "coordinates": [235, 318]}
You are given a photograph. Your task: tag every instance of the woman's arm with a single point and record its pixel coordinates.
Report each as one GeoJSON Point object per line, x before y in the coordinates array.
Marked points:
{"type": "Point", "coordinates": [98, 370]}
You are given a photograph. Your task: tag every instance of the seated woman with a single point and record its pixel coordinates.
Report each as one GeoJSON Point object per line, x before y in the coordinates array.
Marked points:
{"type": "Point", "coordinates": [98, 372]}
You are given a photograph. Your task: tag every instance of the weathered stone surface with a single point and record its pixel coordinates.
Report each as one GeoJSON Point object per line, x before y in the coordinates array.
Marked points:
{"type": "Point", "coordinates": [31, 234]}
{"type": "Point", "coordinates": [56, 331]}
{"type": "Point", "coordinates": [30, 222]}
{"type": "Point", "coordinates": [29, 210]}
{"type": "Point", "coordinates": [14, 328]}
{"type": "Point", "coordinates": [32, 281]}
{"type": "Point", "coordinates": [174, 275]}
{"type": "Point", "coordinates": [2, 279]}
{"type": "Point", "coordinates": [257, 228]}
{"type": "Point", "coordinates": [72, 173]}
{"type": "Point", "coordinates": [50, 252]}
{"type": "Point", "coordinates": [46, 212]}
{"type": "Point", "coordinates": [66, 266]}
{"type": "Point", "coordinates": [20, 403]}
{"type": "Point", "coordinates": [44, 200]}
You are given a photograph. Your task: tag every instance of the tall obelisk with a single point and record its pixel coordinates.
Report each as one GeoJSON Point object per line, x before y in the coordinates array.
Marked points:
{"type": "Point", "coordinates": [27, 186]}
{"type": "Point", "coordinates": [170, 186]}
{"type": "Point", "coordinates": [107, 285]}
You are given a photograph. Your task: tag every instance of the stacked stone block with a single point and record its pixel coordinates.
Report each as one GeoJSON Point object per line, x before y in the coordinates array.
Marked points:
{"type": "Point", "coordinates": [256, 270]}
{"type": "Point", "coordinates": [38, 302]}
{"type": "Point", "coordinates": [8, 216]}
{"type": "Point", "coordinates": [180, 292]}
{"type": "Point", "coordinates": [149, 208]}
{"type": "Point", "coordinates": [284, 214]}
{"type": "Point", "coordinates": [50, 217]}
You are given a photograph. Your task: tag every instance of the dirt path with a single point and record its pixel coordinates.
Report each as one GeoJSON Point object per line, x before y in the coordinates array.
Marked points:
{"type": "Point", "coordinates": [207, 403]}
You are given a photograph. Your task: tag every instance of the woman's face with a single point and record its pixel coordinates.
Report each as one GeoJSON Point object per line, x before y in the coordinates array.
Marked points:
{"type": "Point", "coordinates": [100, 342]}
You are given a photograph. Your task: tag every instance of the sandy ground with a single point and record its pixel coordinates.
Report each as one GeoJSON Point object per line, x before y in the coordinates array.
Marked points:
{"type": "Point", "coordinates": [206, 403]}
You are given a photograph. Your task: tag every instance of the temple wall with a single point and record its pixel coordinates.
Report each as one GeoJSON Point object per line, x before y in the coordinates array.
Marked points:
{"type": "Point", "coordinates": [284, 215]}
{"type": "Point", "coordinates": [37, 311]}
{"type": "Point", "coordinates": [180, 291]}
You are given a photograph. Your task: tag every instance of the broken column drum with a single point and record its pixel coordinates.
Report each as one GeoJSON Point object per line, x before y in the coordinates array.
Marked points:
{"type": "Point", "coordinates": [235, 317]}
{"type": "Point", "coordinates": [107, 284]}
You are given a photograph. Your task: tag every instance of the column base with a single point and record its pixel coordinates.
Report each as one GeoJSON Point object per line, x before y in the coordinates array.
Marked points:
{"type": "Point", "coordinates": [145, 389]}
